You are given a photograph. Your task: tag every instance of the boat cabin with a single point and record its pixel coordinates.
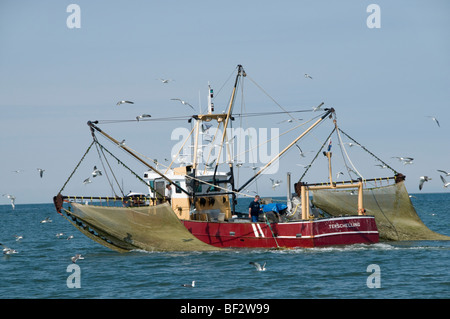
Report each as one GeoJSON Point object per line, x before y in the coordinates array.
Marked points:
{"type": "Point", "coordinates": [205, 200]}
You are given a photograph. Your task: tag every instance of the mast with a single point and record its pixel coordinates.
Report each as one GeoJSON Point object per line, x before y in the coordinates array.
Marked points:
{"type": "Point", "coordinates": [240, 73]}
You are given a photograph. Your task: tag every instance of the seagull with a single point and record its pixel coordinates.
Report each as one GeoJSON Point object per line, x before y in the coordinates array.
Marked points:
{"type": "Point", "coordinates": [405, 160]}
{"type": "Point", "coordinates": [59, 235]}
{"type": "Point", "coordinates": [122, 144]}
{"type": "Point", "coordinates": [87, 181]}
{"type": "Point", "coordinates": [183, 102]}
{"type": "Point", "coordinates": [76, 257]}
{"type": "Point", "coordinates": [446, 184]}
{"type": "Point", "coordinates": [70, 237]}
{"type": "Point", "coordinates": [423, 179]}
{"type": "Point", "coordinates": [316, 108]}
{"type": "Point", "coordinates": [289, 121]}
{"type": "Point", "coordinates": [18, 237]}
{"type": "Point", "coordinates": [96, 172]}
{"type": "Point", "coordinates": [338, 174]}
{"type": "Point", "coordinates": [46, 220]}
{"type": "Point", "coordinates": [10, 251]}
{"type": "Point", "coordinates": [381, 165]}
{"type": "Point", "coordinates": [446, 173]}
{"type": "Point", "coordinates": [7, 250]}
{"type": "Point", "coordinates": [165, 81]}
{"type": "Point", "coordinates": [12, 198]}
{"type": "Point", "coordinates": [351, 144]}
{"type": "Point", "coordinates": [301, 152]}
{"type": "Point", "coordinates": [192, 285]}
{"type": "Point", "coordinates": [123, 102]}
{"type": "Point", "coordinates": [18, 171]}
{"type": "Point", "coordinates": [142, 116]}
{"type": "Point", "coordinates": [258, 266]}
{"type": "Point", "coordinates": [41, 171]}
{"type": "Point", "coordinates": [434, 119]}
{"type": "Point", "coordinates": [275, 183]}
{"type": "Point", "coordinates": [308, 76]}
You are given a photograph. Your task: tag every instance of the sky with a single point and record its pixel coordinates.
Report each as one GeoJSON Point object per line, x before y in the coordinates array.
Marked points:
{"type": "Point", "coordinates": [383, 82]}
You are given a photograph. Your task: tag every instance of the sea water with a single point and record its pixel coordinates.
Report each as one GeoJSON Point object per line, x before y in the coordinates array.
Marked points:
{"type": "Point", "coordinates": [43, 269]}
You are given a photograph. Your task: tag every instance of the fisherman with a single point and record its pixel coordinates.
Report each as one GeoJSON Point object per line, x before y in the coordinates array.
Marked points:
{"type": "Point", "coordinates": [168, 193]}
{"type": "Point", "coordinates": [253, 209]}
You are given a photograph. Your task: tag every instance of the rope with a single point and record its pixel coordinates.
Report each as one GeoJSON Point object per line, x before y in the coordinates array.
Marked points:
{"type": "Point", "coordinates": [317, 154]}
{"type": "Point", "coordinates": [365, 149]}
{"type": "Point", "coordinates": [76, 167]}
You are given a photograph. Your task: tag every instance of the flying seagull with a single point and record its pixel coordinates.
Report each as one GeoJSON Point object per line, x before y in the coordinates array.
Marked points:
{"type": "Point", "coordinates": [87, 181]}
{"type": "Point", "coordinates": [308, 76]}
{"type": "Point", "coordinates": [405, 160]}
{"type": "Point", "coordinates": [192, 285]}
{"type": "Point", "coordinates": [123, 102]}
{"type": "Point", "coordinates": [446, 173]}
{"type": "Point", "coordinates": [446, 184]}
{"type": "Point", "coordinates": [76, 258]}
{"type": "Point", "coordinates": [96, 172]}
{"type": "Point", "coordinates": [316, 108]}
{"type": "Point", "coordinates": [41, 172]}
{"type": "Point", "coordinates": [275, 183]}
{"type": "Point", "coordinates": [434, 119]}
{"type": "Point", "coordinates": [258, 266]}
{"type": "Point", "coordinates": [142, 116]}
{"type": "Point", "coordinates": [183, 102]}
{"type": "Point", "coordinates": [18, 237]}
{"type": "Point", "coordinates": [423, 179]}
{"type": "Point", "coordinates": [165, 81]}
{"type": "Point", "coordinates": [12, 198]}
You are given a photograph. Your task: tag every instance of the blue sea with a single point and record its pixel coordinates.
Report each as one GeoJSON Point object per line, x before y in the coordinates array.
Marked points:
{"type": "Point", "coordinates": [388, 270]}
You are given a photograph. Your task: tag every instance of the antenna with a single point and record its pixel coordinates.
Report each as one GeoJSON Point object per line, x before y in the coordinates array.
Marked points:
{"type": "Point", "coordinates": [210, 96]}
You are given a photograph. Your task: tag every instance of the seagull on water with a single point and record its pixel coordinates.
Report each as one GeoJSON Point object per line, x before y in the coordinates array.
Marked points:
{"type": "Point", "coordinates": [41, 172]}
{"type": "Point", "coordinates": [46, 220]}
{"type": "Point", "coordinates": [18, 237]}
{"type": "Point", "coordinates": [123, 102]}
{"type": "Point", "coordinates": [183, 102]}
{"type": "Point", "coordinates": [59, 235]}
{"type": "Point", "coordinates": [434, 119]}
{"type": "Point", "coordinates": [139, 117]}
{"type": "Point", "coordinates": [96, 172]}
{"type": "Point", "coordinates": [76, 258]}
{"type": "Point", "coordinates": [446, 184]}
{"type": "Point", "coordinates": [192, 285]}
{"type": "Point", "coordinates": [12, 198]}
{"type": "Point", "coordinates": [258, 266]}
{"type": "Point", "coordinates": [423, 179]}
{"type": "Point", "coordinates": [8, 251]}
{"type": "Point", "coordinates": [308, 76]}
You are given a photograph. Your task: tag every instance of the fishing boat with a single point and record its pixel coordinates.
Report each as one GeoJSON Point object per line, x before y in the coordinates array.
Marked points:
{"type": "Point", "coordinates": [190, 208]}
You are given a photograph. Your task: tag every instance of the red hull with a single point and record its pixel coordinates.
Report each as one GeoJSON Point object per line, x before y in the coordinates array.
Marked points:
{"type": "Point", "coordinates": [314, 233]}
